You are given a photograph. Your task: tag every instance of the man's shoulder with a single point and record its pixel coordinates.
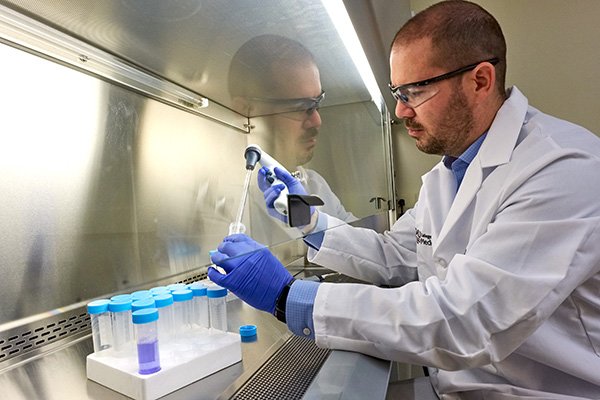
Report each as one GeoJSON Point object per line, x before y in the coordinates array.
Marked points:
{"type": "Point", "coordinates": [560, 133]}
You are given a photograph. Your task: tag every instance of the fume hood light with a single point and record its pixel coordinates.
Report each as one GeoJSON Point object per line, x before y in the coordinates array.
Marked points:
{"type": "Point", "coordinates": [341, 20]}
{"type": "Point", "coordinates": [35, 36]}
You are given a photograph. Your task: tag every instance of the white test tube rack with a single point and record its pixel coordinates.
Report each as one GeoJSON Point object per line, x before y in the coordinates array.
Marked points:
{"type": "Point", "coordinates": [182, 363]}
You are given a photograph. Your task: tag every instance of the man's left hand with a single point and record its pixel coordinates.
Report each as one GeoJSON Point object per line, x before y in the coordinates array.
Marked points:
{"type": "Point", "coordinates": [252, 271]}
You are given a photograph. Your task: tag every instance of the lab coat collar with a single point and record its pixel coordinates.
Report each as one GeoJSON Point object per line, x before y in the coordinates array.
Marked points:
{"type": "Point", "coordinates": [496, 150]}
{"type": "Point", "coordinates": [504, 131]}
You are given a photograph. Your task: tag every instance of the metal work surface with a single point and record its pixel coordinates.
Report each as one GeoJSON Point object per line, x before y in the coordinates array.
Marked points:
{"type": "Point", "coordinates": [346, 375]}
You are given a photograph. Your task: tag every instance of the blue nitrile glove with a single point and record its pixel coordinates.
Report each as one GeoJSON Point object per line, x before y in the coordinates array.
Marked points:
{"type": "Point", "coordinates": [253, 273]}
{"type": "Point", "coordinates": [271, 193]}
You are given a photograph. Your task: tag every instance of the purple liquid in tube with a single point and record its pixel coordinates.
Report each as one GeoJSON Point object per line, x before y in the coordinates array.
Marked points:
{"type": "Point", "coordinates": [148, 359]}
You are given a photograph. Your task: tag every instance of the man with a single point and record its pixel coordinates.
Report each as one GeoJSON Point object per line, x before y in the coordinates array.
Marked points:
{"type": "Point", "coordinates": [498, 261]}
{"type": "Point", "coordinates": [275, 81]}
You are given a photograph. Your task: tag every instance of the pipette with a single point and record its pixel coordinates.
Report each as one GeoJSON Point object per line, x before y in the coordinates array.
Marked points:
{"type": "Point", "coordinates": [251, 158]}
{"type": "Point", "coordinates": [254, 154]}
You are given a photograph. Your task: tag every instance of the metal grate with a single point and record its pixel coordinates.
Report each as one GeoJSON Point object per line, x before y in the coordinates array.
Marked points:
{"type": "Point", "coordinates": [286, 375]}
{"type": "Point", "coordinates": [31, 337]}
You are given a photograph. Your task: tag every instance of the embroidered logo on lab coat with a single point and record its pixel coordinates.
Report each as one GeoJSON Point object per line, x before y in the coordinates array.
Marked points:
{"type": "Point", "coordinates": [422, 238]}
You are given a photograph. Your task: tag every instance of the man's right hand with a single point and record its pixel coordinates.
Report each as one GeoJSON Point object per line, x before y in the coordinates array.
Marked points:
{"type": "Point", "coordinates": [272, 192]}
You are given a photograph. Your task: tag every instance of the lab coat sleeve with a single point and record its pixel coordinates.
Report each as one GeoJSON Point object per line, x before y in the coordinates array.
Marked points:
{"type": "Point", "coordinates": [382, 259]}
{"type": "Point", "coordinates": [541, 244]}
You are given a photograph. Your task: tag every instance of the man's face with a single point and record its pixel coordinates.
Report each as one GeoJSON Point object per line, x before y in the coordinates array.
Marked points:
{"type": "Point", "coordinates": [442, 124]}
{"type": "Point", "coordinates": [295, 133]}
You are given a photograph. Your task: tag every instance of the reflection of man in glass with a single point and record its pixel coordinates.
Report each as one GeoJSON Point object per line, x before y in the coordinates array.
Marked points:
{"type": "Point", "coordinates": [275, 80]}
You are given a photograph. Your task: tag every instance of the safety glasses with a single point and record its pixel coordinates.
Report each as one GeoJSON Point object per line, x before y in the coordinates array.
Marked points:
{"type": "Point", "coordinates": [416, 93]}
{"type": "Point", "coordinates": [298, 109]}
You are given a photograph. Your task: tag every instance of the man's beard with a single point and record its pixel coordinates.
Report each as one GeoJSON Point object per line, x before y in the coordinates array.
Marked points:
{"type": "Point", "coordinates": [305, 156]}
{"type": "Point", "coordinates": [447, 137]}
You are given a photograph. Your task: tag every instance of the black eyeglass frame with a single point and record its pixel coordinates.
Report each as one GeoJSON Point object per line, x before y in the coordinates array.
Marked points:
{"type": "Point", "coordinates": [315, 102]}
{"type": "Point", "coordinates": [447, 75]}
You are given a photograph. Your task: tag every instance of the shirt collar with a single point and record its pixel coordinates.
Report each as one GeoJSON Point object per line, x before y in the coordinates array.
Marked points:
{"type": "Point", "coordinates": [468, 155]}
{"type": "Point", "coordinates": [301, 174]}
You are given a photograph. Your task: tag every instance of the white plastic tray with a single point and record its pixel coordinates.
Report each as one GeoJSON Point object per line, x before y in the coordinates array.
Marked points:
{"type": "Point", "coordinates": [181, 364]}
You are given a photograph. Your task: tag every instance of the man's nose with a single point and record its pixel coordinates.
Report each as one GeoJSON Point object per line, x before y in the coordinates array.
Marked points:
{"type": "Point", "coordinates": [313, 120]}
{"type": "Point", "coordinates": [403, 111]}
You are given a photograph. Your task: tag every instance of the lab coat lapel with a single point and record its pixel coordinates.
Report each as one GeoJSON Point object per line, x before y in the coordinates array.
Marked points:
{"type": "Point", "coordinates": [496, 150]}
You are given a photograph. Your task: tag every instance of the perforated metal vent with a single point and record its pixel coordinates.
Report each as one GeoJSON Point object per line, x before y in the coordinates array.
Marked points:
{"type": "Point", "coordinates": [286, 375]}
{"type": "Point", "coordinates": [28, 338]}
{"type": "Point", "coordinates": [194, 278]}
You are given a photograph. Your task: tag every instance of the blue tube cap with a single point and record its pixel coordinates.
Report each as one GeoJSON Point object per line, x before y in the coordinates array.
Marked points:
{"type": "Point", "coordinates": [176, 286]}
{"type": "Point", "coordinates": [159, 290]}
{"type": "Point", "coordinates": [121, 297]}
{"type": "Point", "coordinates": [216, 291]}
{"type": "Point", "coordinates": [182, 295]}
{"type": "Point", "coordinates": [119, 305]}
{"type": "Point", "coordinates": [248, 333]}
{"type": "Point", "coordinates": [141, 294]}
{"type": "Point", "coordinates": [141, 304]}
{"type": "Point", "coordinates": [144, 316]}
{"type": "Point", "coordinates": [248, 330]}
{"type": "Point", "coordinates": [198, 289]}
{"type": "Point", "coordinates": [98, 306]}
{"type": "Point", "coordinates": [163, 300]}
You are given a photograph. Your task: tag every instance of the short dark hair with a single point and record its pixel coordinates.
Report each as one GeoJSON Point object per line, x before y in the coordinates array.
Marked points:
{"type": "Point", "coordinates": [461, 33]}
{"type": "Point", "coordinates": [251, 68]}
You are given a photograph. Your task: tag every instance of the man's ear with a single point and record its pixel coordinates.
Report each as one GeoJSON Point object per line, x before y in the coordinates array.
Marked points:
{"type": "Point", "coordinates": [484, 79]}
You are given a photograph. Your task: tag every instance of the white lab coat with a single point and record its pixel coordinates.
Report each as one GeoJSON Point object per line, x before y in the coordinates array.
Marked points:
{"type": "Point", "coordinates": [507, 301]}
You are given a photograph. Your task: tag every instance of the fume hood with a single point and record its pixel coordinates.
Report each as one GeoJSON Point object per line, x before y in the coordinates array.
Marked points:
{"type": "Point", "coordinates": [122, 157]}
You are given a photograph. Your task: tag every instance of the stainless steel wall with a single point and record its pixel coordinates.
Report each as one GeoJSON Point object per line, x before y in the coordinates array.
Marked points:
{"type": "Point", "coordinates": [103, 189]}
